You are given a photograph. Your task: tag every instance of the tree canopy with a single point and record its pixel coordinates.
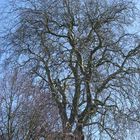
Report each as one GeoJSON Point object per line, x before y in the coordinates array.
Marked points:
{"type": "Point", "coordinates": [83, 55]}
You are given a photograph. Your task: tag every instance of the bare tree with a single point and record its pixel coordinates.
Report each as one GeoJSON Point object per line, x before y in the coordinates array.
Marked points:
{"type": "Point", "coordinates": [9, 106]}
{"type": "Point", "coordinates": [86, 59]}
{"type": "Point", "coordinates": [24, 109]}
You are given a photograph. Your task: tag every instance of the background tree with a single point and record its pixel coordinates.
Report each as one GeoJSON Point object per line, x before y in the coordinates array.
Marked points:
{"type": "Point", "coordinates": [24, 109]}
{"type": "Point", "coordinates": [85, 58]}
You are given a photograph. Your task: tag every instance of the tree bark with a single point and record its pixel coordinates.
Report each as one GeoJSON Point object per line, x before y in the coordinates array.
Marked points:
{"type": "Point", "coordinates": [78, 133]}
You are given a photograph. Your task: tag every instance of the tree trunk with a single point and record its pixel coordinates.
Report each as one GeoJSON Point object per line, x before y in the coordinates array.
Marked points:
{"type": "Point", "coordinates": [78, 133]}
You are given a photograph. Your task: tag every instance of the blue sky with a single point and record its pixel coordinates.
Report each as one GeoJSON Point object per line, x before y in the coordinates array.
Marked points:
{"type": "Point", "coordinates": [2, 1]}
